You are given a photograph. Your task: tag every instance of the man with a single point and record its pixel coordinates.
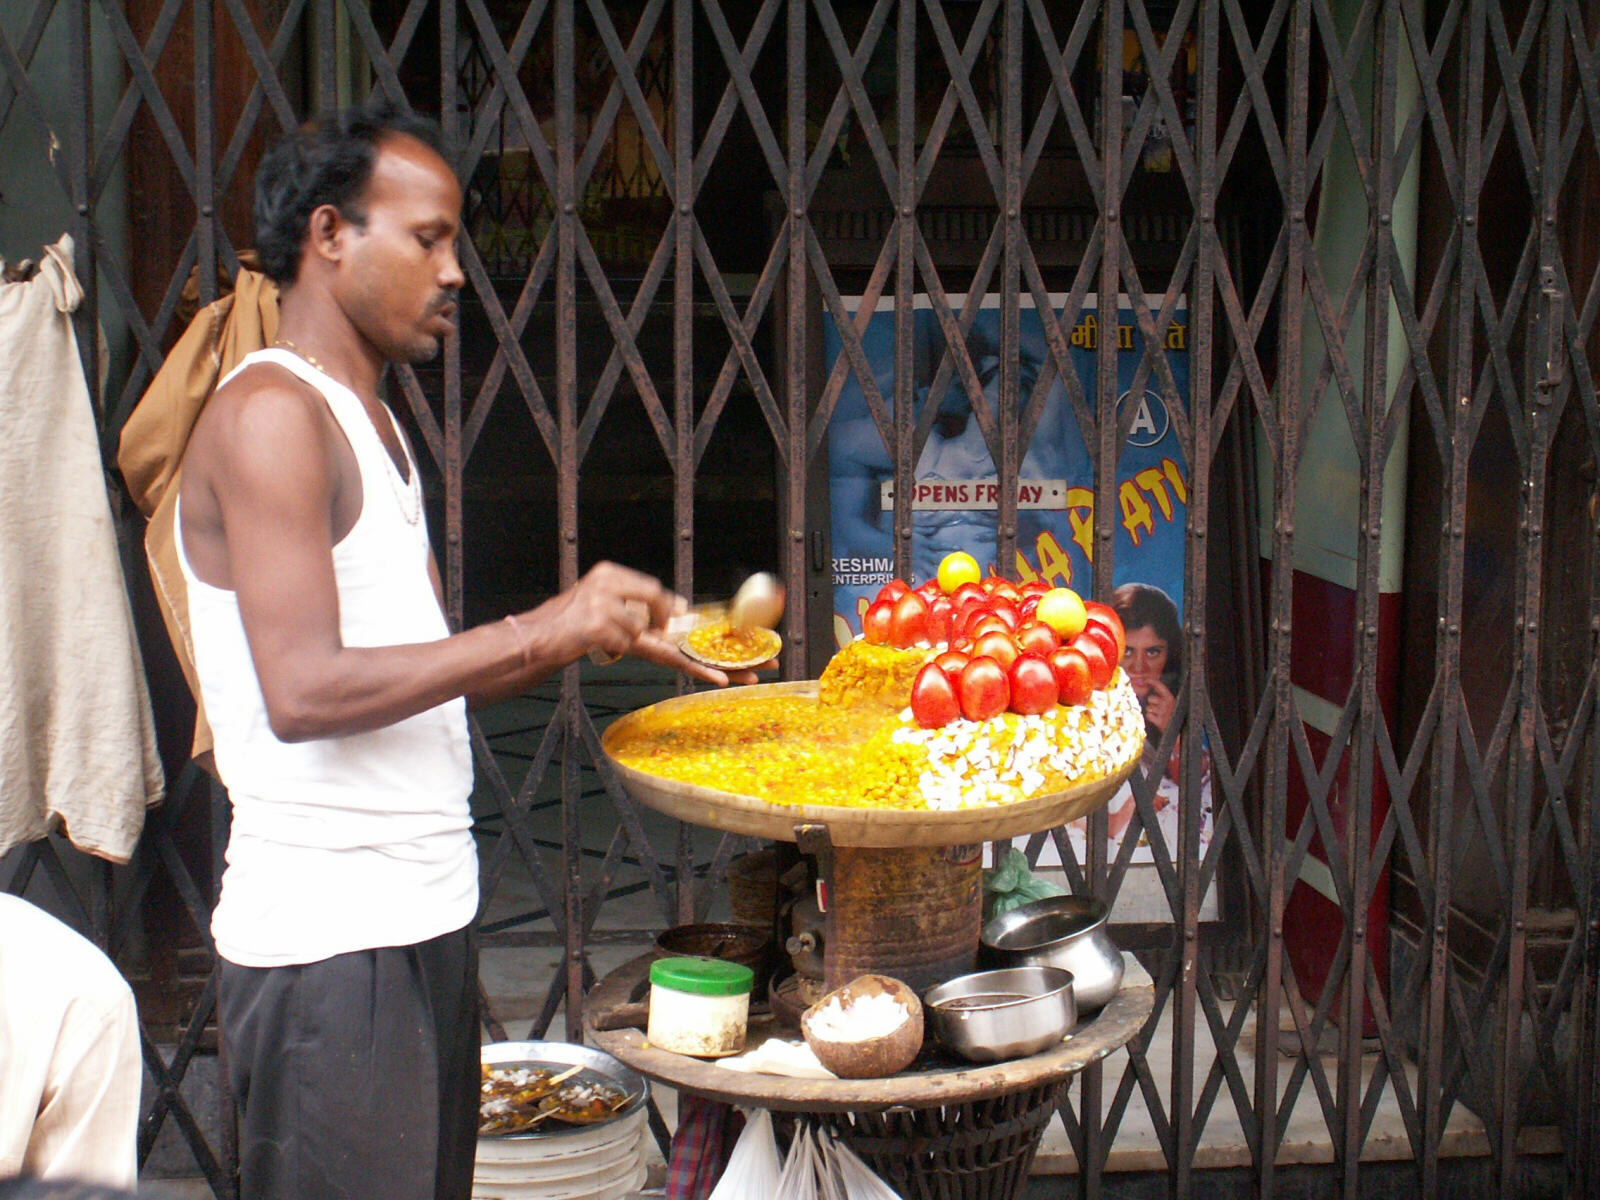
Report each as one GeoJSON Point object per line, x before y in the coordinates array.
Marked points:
{"type": "Point", "coordinates": [69, 1055]}
{"type": "Point", "coordinates": [336, 693]}
{"type": "Point", "coordinates": [955, 450]}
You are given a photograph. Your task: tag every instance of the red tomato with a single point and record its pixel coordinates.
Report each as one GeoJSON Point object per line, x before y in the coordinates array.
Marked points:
{"type": "Point", "coordinates": [980, 623]}
{"type": "Point", "coordinates": [983, 689]}
{"type": "Point", "coordinates": [1106, 638]}
{"type": "Point", "coordinates": [1007, 612]}
{"type": "Point", "coordinates": [1071, 670]}
{"type": "Point", "coordinates": [1107, 617]}
{"type": "Point", "coordinates": [1100, 664]}
{"type": "Point", "coordinates": [996, 645]}
{"type": "Point", "coordinates": [929, 591]}
{"type": "Point", "coordinates": [1033, 685]}
{"type": "Point", "coordinates": [997, 585]}
{"type": "Point", "coordinates": [1028, 610]}
{"type": "Point", "coordinates": [940, 614]}
{"type": "Point", "coordinates": [933, 698]}
{"type": "Point", "coordinates": [875, 625]}
{"type": "Point", "coordinates": [893, 590]}
{"type": "Point", "coordinates": [908, 624]}
{"type": "Point", "coordinates": [966, 592]}
{"type": "Point", "coordinates": [1034, 587]}
{"type": "Point", "coordinates": [968, 612]}
{"type": "Point", "coordinates": [951, 662]}
{"type": "Point", "coordinates": [961, 644]}
{"type": "Point", "coordinates": [1037, 638]}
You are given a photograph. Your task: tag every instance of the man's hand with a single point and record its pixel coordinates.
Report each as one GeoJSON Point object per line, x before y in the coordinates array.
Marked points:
{"type": "Point", "coordinates": [606, 610]}
{"type": "Point", "coordinates": [614, 610]}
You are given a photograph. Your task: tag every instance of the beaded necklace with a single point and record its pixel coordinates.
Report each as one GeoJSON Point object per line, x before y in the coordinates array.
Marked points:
{"type": "Point", "coordinates": [407, 492]}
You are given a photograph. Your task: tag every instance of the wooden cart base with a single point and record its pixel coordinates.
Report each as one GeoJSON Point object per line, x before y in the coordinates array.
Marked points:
{"type": "Point", "coordinates": [937, 1133]}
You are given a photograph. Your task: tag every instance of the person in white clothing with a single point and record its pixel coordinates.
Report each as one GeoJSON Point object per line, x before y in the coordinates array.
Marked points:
{"type": "Point", "coordinates": [337, 694]}
{"type": "Point", "coordinates": [69, 1055]}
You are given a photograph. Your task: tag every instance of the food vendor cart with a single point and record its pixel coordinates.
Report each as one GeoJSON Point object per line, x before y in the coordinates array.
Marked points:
{"type": "Point", "coordinates": [901, 893]}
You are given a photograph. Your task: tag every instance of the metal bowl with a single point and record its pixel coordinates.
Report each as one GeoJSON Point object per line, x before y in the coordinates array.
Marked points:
{"type": "Point", "coordinates": [1059, 931]}
{"type": "Point", "coordinates": [717, 939]}
{"type": "Point", "coordinates": [990, 1016]}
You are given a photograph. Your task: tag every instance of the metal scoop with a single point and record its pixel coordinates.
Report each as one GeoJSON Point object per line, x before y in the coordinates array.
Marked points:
{"type": "Point", "coordinates": [739, 635]}
{"type": "Point", "coordinates": [759, 601]}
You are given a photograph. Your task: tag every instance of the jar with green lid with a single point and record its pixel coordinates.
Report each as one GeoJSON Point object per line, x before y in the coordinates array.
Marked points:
{"type": "Point", "coordinates": [699, 1006]}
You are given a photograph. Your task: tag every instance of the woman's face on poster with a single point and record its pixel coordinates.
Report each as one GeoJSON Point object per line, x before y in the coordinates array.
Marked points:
{"type": "Point", "coordinates": [1145, 658]}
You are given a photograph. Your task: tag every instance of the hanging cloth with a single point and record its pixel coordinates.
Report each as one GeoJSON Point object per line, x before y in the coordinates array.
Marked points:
{"type": "Point", "coordinates": [157, 433]}
{"type": "Point", "coordinates": [77, 738]}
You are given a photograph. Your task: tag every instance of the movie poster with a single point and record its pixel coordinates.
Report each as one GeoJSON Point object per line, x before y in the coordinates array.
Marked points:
{"type": "Point", "coordinates": [957, 497]}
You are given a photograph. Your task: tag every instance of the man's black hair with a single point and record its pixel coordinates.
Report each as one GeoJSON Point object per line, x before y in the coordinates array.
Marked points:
{"type": "Point", "coordinates": [326, 161]}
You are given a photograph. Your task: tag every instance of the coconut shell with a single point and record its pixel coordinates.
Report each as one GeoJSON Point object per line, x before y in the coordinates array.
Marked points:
{"type": "Point", "coordinates": [871, 1058]}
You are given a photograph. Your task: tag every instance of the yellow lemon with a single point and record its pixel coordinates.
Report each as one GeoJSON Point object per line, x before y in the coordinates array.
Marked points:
{"type": "Point", "coordinates": [957, 568]}
{"type": "Point", "coordinates": [1062, 609]}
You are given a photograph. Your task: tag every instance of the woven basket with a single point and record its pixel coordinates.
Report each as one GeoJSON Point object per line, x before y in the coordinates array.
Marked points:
{"type": "Point", "coordinates": [976, 1151]}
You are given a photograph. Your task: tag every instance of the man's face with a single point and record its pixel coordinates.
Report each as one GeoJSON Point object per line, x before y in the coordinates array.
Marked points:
{"type": "Point", "coordinates": [401, 277]}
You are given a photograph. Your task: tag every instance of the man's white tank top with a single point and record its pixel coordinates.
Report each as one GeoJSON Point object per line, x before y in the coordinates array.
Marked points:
{"type": "Point", "coordinates": [351, 842]}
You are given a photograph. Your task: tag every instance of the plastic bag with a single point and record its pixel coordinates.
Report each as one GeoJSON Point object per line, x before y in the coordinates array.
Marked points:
{"type": "Point", "coordinates": [1011, 884]}
{"type": "Point", "coordinates": [847, 1177]}
{"type": "Point", "coordinates": [800, 1169]}
{"type": "Point", "coordinates": [754, 1167]}
{"type": "Point", "coordinates": [830, 1186]}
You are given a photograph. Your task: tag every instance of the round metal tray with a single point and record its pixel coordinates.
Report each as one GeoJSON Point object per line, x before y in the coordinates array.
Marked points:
{"type": "Point", "coordinates": [866, 827]}
{"type": "Point", "coordinates": [558, 1056]}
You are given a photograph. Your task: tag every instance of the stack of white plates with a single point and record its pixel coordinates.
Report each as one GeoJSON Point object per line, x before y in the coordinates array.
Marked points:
{"type": "Point", "coordinates": [566, 1162]}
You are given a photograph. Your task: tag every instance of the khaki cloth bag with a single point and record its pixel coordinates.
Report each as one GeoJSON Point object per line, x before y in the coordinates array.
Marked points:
{"type": "Point", "coordinates": [150, 452]}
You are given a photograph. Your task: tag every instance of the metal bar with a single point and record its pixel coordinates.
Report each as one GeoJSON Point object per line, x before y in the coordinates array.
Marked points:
{"type": "Point", "coordinates": [1523, 761]}
{"type": "Point", "coordinates": [567, 487]}
{"type": "Point", "coordinates": [80, 170]}
{"type": "Point", "coordinates": [205, 116]}
{"type": "Point", "coordinates": [454, 465]}
{"type": "Point", "coordinates": [43, 10]}
{"type": "Point", "coordinates": [1447, 641]}
{"type": "Point", "coordinates": [1284, 492]}
{"type": "Point", "coordinates": [1105, 453]}
{"type": "Point", "coordinates": [683, 400]}
{"type": "Point", "coordinates": [905, 199]}
{"type": "Point", "coordinates": [1375, 402]}
{"type": "Point", "coordinates": [1011, 143]}
{"type": "Point", "coordinates": [1196, 589]}
{"type": "Point", "coordinates": [797, 348]}
{"type": "Point", "coordinates": [325, 35]}
{"type": "Point", "coordinates": [1586, 1011]}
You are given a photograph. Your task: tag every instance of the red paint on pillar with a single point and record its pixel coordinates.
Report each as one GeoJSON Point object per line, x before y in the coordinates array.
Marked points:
{"type": "Point", "coordinates": [1324, 654]}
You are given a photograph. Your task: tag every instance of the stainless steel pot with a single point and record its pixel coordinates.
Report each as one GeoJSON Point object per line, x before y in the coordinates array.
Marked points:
{"type": "Point", "coordinates": [1059, 931]}
{"type": "Point", "coordinates": [990, 1016]}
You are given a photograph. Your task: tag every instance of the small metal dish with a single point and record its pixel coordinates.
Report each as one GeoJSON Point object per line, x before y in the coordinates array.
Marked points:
{"type": "Point", "coordinates": [740, 636]}
{"type": "Point", "coordinates": [990, 1016]}
{"type": "Point", "coordinates": [717, 644]}
{"type": "Point", "coordinates": [1059, 931]}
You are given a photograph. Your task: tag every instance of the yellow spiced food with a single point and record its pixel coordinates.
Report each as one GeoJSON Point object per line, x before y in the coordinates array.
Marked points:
{"type": "Point", "coordinates": [720, 642]}
{"type": "Point", "coordinates": [854, 744]}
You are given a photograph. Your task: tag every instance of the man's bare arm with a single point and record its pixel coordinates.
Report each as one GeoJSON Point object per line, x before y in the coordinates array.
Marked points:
{"type": "Point", "coordinates": [271, 471]}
